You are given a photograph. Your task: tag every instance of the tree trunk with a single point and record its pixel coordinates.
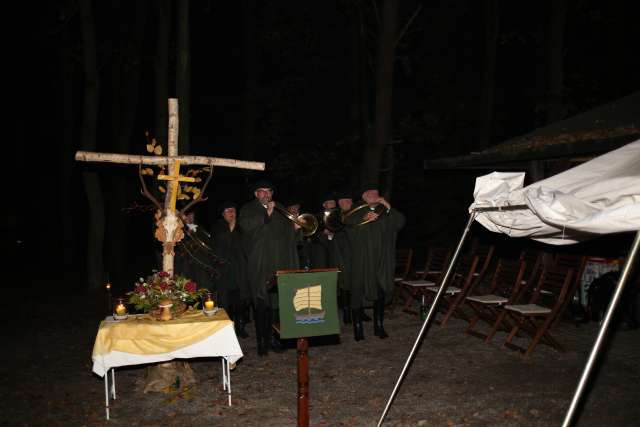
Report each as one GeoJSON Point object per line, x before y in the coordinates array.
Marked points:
{"type": "Point", "coordinates": [95, 241]}
{"type": "Point", "coordinates": [490, 18]}
{"type": "Point", "coordinates": [250, 61]}
{"type": "Point", "coordinates": [65, 112]}
{"type": "Point", "coordinates": [161, 70]}
{"type": "Point", "coordinates": [183, 75]}
{"type": "Point", "coordinates": [384, 85]}
{"type": "Point", "coordinates": [126, 102]}
{"type": "Point", "coordinates": [363, 101]}
{"type": "Point", "coordinates": [554, 60]}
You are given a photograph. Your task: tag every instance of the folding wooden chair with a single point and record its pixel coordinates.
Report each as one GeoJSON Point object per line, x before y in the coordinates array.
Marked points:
{"type": "Point", "coordinates": [485, 256]}
{"type": "Point", "coordinates": [403, 267]}
{"type": "Point", "coordinates": [430, 275]}
{"type": "Point", "coordinates": [537, 320]}
{"type": "Point", "coordinates": [506, 286]}
{"type": "Point", "coordinates": [437, 261]}
{"type": "Point", "coordinates": [462, 283]}
{"type": "Point", "coordinates": [576, 263]}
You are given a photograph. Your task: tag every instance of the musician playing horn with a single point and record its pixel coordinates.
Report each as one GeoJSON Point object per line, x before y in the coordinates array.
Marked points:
{"type": "Point", "coordinates": [374, 257]}
{"type": "Point", "coordinates": [270, 244]}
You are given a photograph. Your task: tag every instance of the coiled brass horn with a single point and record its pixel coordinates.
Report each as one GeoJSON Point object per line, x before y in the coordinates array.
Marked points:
{"type": "Point", "coordinates": [306, 221]}
{"type": "Point", "coordinates": [335, 220]}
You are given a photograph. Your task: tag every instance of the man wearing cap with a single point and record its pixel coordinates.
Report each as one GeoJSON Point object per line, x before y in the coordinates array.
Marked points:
{"type": "Point", "coordinates": [341, 254]}
{"type": "Point", "coordinates": [233, 292]}
{"type": "Point", "coordinates": [374, 258]}
{"type": "Point", "coordinates": [270, 245]}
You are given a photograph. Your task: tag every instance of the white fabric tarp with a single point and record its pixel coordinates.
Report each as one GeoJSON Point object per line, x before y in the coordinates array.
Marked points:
{"type": "Point", "coordinates": [601, 196]}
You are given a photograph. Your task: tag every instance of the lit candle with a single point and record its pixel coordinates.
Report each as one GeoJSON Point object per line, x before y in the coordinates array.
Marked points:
{"type": "Point", "coordinates": [208, 305]}
{"type": "Point", "coordinates": [121, 310]}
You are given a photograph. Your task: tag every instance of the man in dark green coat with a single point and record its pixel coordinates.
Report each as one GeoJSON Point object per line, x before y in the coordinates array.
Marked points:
{"type": "Point", "coordinates": [233, 292]}
{"type": "Point", "coordinates": [270, 245]}
{"type": "Point", "coordinates": [341, 255]}
{"type": "Point", "coordinates": [373, 262]}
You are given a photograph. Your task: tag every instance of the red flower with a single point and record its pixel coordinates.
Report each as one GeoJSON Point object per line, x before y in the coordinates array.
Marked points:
{"type": "Point", "coordinates": [140, 289]}
{"type": "Point", "coordinates": [190, 287]}
{"type": "Point", "coordinates": [164, 286]}
{"type": "Point", "coordinates": [163, 274]}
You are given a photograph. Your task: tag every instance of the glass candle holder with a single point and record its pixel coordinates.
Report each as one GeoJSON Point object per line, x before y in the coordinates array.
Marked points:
{"type": "Point", "coordinates": [120, 309]}
{"type": "Point", "coordinates": [209, 303]}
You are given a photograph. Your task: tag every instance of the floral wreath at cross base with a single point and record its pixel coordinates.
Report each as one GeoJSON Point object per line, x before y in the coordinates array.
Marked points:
{"type": "Point", "coordinates": [183, 292]}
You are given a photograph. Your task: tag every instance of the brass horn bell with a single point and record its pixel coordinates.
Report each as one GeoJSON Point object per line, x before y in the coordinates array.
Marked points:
{"type": "Point", "coordinates": [306, 221]}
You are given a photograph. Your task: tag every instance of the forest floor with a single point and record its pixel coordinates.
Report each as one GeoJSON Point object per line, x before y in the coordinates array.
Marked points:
{"type": "Point", "coordinates": [455, 380]}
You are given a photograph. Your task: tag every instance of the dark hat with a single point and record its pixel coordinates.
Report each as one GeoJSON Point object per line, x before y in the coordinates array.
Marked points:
{"type": "Point", "coordinates": [329, 195]}
{"type": "Point", "coordinates": [262, 183]}
{"type": "Point", "coordinates": [290, 200]}
{"type": "Point", "coordinates": [344, 193]}
{"type": "Point", "coordinates": [228, 204]}
{"type": "Point", "coordinates": [368, 186]}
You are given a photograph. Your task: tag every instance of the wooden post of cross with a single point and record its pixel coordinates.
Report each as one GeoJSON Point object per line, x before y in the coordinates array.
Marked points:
{"type": "Point", "coordinates": [169, 230]}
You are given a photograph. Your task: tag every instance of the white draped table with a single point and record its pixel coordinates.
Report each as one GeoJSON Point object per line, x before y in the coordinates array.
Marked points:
{"type": "Point", "coordinates": [139, 340]}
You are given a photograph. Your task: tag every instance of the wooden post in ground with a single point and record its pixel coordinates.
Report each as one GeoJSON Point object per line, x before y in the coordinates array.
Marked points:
{"type": "Point", "coordinates": [303, 382]}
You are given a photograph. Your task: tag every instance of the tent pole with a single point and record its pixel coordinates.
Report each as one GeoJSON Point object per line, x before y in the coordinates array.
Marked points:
{"type": "Point", "coordinates": [626, 271]}
{"type": "Point", "coordinates": [430, 315]}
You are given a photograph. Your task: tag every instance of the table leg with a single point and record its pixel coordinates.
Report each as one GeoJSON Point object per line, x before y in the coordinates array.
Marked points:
{"type": "Point", "coordinates": [228, 379]}
{"type": "Point", "coordinates": [224, 374]}
{"type": "Point", "coordinates": [106, 393]}
{"type": "Point", "coordinates": [113, 383]}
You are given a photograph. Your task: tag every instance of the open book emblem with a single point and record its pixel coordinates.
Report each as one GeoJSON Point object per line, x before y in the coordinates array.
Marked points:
{"type": "Point", "coordinates": [307, 303]}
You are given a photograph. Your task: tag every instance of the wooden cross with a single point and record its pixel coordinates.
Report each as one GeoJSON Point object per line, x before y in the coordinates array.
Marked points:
{"type": "Point", "coordinates": [169, 224]}
{"type": "Point", "coordinates": [175, 178]}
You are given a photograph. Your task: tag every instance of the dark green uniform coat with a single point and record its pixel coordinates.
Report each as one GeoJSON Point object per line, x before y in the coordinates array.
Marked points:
{"type": "Point", "coordinates": [340, 254]}
{"type": "Point", "coordinates": [374, 256]}
{"type": "Point", "coordinates": [229, 246]}
{"type": "Point", "coordinates": [270, 245]}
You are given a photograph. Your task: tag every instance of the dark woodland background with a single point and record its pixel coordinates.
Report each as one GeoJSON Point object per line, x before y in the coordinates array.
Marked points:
{"type": "Point", "coordinates": [328, 94]}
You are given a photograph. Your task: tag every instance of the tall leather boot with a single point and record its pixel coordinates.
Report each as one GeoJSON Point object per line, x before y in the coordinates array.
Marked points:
{"type": "Point", "coordinates": [274, 341]}
{"type": "Point", "coordinates": [358, 329]}
{"type": "Point", "coordinates": [378, 318]}
{"type": "Point", "coordinates": [346, 307]}
{"type": "Point", "coordinates": [239, 321]}
{"type": "Point", "coordinates": [259, 320]}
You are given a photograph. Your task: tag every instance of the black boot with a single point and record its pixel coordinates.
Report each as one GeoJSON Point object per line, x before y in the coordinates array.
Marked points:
{"type": "Point", "coordinates": [346, 307]}
{"type": "Point", "coordinates": [358, 329]}
{"type": "Point", "coordinates": [259, 320]}
{"type": "Point", "coordinates": [274, 340]}
{"type": "Point", "coordinates": [236, 314]}
{"type": "Point", "coordinates": [378, 319]}
{"type": "Point", "coordinates": [240, 329]}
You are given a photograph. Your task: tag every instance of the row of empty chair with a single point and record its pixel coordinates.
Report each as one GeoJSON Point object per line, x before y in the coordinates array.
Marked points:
{"type": "Point", "coordinates": [523, 297]}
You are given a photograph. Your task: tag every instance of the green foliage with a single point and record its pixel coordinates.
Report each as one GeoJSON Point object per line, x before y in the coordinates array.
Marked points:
{"type": "Point", "coordinates": [148, 293]}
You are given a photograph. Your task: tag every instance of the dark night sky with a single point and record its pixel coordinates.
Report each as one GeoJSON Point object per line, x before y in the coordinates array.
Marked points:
{"type": "Point", "coordinates": [304, 102]}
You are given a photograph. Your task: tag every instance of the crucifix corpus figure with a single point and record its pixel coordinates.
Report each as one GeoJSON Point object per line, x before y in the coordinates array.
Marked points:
{"type": "Point", "coordinates": [169, 223]}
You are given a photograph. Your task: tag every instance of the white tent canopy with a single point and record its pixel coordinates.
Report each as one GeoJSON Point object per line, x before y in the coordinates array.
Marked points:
{"type": "Point", "coordinates": [601, 196]}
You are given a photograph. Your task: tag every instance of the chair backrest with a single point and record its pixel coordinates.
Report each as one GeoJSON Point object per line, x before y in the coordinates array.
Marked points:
{"type": "Point", "coordinates": [436, 264]}
{"type": "Point", "coordinates": [485, 255]}
{"type": "Point", "coordinates": [403, 262]}
{"type": "Point", "coordinates": [535, 265]}
{"type": "Point", "coordinates": [554, 287]}
{"type": "Point", "coordinates": [465, 270]}
{"type": "Point", "coordinates": [507, 278]}
{"type": "Point", "coordinates": [572, 261]}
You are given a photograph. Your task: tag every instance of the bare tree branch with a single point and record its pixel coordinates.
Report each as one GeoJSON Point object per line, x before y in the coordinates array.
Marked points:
{"type": "Point", "coordinates": [145, 192]}
{"type": "Point", "coordinates": [408, 24]}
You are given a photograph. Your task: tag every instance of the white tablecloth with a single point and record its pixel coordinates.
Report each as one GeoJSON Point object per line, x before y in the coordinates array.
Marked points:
{"type": "Point", "coordinates": [223, 343]}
